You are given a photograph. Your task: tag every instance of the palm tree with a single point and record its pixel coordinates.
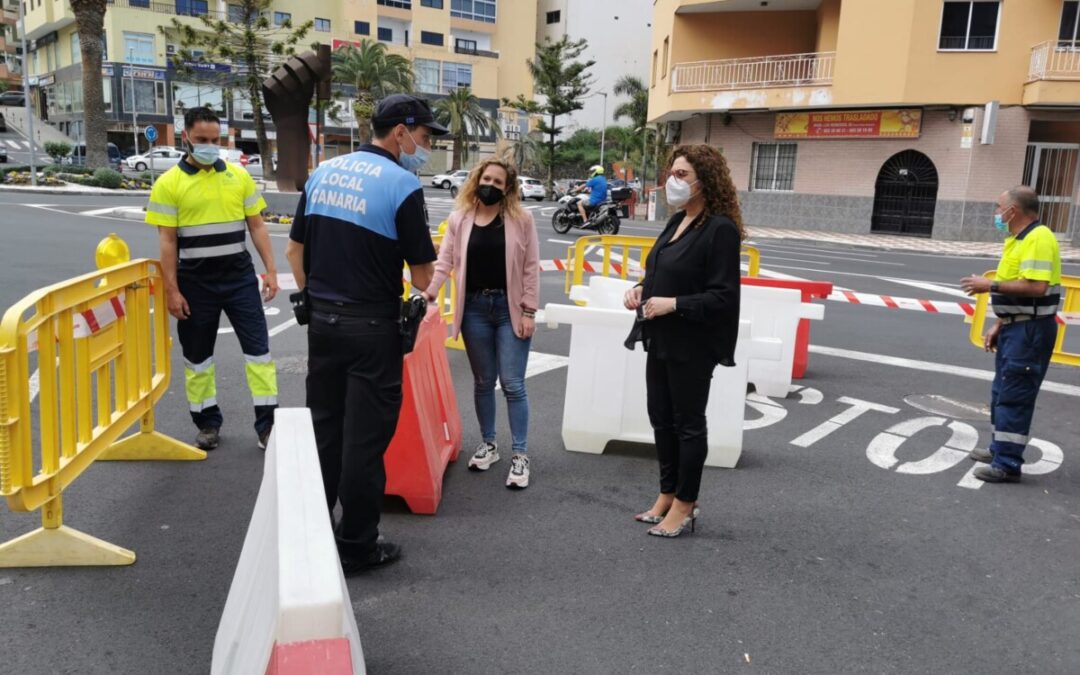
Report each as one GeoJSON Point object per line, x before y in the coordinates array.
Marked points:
{"type": "Point", "coordinates": [461, 113]}
{"type": "Point", "coordinates": [375, 73]}
{"type": "Point", "coordinates": [90, 24]}
{"type": "Point", "coordinates": [637, 110]}
{"type": "Point", "coordinates": [528, 151]}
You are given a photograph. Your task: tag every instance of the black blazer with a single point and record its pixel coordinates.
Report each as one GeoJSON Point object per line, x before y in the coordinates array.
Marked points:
{"type": "Point", "coordinates": [700, 270]}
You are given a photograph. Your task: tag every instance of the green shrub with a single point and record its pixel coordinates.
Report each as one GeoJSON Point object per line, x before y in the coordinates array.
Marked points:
{"type": "Point", "coordinates": [50, 170]}
{"type": "Point", "coordinates": [57, 149]}
{"type": "Point", "coordinates": [107, 178]}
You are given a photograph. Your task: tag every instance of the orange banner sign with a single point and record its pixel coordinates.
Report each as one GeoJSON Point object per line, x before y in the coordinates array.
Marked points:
{"type": "Point", "coordinates": [850, 124]}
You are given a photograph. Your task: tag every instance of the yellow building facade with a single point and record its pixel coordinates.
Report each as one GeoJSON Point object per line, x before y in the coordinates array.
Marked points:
{"type": "Point", "coordinates": [898, 116]}
{"type": "Point", "coordinates": [481, 44]}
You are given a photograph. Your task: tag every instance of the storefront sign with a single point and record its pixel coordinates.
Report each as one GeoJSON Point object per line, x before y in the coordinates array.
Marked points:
{"type": "Point", "coordinates": [200, 67]}
{"type": "Point", "coordinates": [46, 80]}
{"type": "Point", "coordinates": [849, 124]}
{"type": "Point", "coordinates": [966, 135]}
{"type": "Point", "coordinates": [144, 73]}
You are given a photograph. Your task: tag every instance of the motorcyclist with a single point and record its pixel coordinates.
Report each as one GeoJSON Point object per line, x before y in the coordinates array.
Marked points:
{"type": "Point", "coordinates": [598, 191]}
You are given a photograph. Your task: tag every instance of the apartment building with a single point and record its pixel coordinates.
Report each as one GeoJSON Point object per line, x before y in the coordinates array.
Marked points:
{"type": "Point", "coordinates": [901, 117]}
{"type": "Point", "coordinates": [616, 32]}
{"type": "Point", "coordinates": [10, 73]}
{"type": "Point", "coordinates": [482, 44]}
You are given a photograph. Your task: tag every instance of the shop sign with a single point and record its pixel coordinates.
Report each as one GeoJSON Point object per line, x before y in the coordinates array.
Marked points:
{"type": "Point", "coordinates": [144, 73]}
{"type": "Point", "coordinates": [902, 123]}
{"type": "Point", "coordinates": [201, 67]}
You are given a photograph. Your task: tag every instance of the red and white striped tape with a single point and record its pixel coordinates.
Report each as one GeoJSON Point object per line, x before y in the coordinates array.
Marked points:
{"type": "Point", "coordinates": [91, 321]}
{"type": "Point", "coordinates": [929, 306]}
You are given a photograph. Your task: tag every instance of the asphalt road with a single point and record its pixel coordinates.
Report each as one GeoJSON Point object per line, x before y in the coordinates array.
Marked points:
{"type": "Point", "coordinates": [809, 557]}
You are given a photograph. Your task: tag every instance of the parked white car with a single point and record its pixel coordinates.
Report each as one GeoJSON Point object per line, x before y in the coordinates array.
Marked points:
{"type": "Point", "coordinates": [532, 188]}
{"type": "Point", "coordinates": [456, 183]}
{"type": "Point", "coordinates": [445, 180]}
{"type": "Point", "coordinates": [163, 158]}
{"type": "Point", "coordinates": [254, 165]}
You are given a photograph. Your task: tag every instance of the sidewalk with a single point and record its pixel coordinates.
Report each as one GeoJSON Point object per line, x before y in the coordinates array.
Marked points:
{"type": "Point", "coordinates": [897, 243]}
{"type": "Point", "coordinates": [72, 189]}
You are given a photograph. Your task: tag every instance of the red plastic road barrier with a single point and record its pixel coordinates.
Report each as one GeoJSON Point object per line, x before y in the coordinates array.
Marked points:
{"type": "Point", "coordinates": [428, 435]}
{"type": "Point", "coordinates": [315, 657]}
{"type": "Point", "coordinates": [809, 289]}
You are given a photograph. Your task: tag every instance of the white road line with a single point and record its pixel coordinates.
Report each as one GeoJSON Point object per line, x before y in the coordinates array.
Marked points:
{"type": "Point", "coordinates": [843, 257]}
{"type": "Point", "coordinates": [14, 145]}
{"type": "Point", "coordinates": [808, 262]}
{"type": "Point", "coordinates": [944, 368]}
{"type": "Point", "coordinates": [281, 328]}
{"type": "Point", "coordinates": [927, 286]}
{"type": "Point", "coordinates": [562, 241]}
{"type": "Point", "coordinates": [540, 363]}
{"type": "Point", "coordinates": [806, 250]}
{"type": "Point", "coordinates": [846, 274]}
{"type": "Point", "coordinates": [35, 384]}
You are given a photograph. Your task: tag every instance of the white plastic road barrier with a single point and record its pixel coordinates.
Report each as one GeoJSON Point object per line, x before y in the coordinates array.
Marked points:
{"type": "Point", "coordinates": [288, 610]}
{"type": "Point", "coordinates": [605, 382]}
{"type": "Point", "coordinates": [772, 312]}
{"type": "Point", "coordinates": [775, 313]}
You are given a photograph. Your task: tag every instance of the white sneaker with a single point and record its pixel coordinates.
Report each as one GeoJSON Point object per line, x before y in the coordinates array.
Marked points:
{"type": "Point", "coordinates": [486, 454]}
{"type": "Point", "coordinates": [519, 472]}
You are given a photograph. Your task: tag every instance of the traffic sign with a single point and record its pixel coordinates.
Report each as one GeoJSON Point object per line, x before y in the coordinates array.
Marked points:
{"type": "Point", "coordinates": [150, 133]}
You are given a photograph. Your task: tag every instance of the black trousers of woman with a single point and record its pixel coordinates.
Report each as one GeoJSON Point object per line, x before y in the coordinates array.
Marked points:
{"type": "Point", "coordinates": [677, 393]}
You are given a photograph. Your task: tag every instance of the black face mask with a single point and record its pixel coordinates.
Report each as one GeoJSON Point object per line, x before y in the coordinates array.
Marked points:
{"type": "Point", "coordinates": [489, 195]}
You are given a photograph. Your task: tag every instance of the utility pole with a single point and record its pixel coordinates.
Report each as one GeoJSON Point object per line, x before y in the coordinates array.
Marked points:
{"type": "Point", "coordinates": [27, 109]}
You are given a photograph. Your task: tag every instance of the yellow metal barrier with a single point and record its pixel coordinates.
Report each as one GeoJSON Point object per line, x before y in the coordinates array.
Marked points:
{"type": "Point", "coordinates": [100, 344]}
{"type": "Point", "coordinates": [447, 298]}
{"type": "Point", "coordinates": [1070, 307]}
{"type": "Point", "coordinates": [626, 256]}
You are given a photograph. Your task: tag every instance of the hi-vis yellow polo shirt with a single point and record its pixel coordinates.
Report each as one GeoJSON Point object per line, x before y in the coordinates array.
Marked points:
{"type": "Point", "coordinates": [1034, 255]}
{"type": "Point", "coordinates": [209, 210]}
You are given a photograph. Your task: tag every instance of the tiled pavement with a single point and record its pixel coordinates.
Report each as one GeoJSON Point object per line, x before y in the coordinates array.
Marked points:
{"type": "Point", "coordinates": [896, 243]}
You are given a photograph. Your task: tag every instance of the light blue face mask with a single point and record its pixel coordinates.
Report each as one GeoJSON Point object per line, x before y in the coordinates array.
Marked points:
{"type": "Point", "coordinates": [416, 159]}
{"type": "Point", "coordinates": [204, 153]}
{"type": "Point", "coordinates": [1000, 223]}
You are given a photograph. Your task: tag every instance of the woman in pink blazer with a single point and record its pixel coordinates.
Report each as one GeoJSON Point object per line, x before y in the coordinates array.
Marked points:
{"type": "Point", "coordinates": [492, 250]}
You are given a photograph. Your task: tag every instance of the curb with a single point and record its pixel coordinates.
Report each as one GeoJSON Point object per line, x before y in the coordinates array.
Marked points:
{"type": "Point", "coordinates": [68, 191]}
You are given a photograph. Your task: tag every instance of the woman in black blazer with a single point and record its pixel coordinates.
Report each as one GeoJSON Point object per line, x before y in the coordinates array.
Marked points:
{"type": "Point", "coordinates": [689, 303]}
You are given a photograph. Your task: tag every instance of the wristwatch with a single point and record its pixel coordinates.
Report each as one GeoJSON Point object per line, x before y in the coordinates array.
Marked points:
{"type": "Point", "coordinates": [994, 287]}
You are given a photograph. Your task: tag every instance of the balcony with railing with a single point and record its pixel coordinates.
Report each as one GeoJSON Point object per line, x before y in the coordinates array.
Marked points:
{"type": "Point", "coordinates": [176, 8]}
{"type": "Point", "coordinates": [1053, 73]}
{"type": "Point", "coordinates": [762, 72]}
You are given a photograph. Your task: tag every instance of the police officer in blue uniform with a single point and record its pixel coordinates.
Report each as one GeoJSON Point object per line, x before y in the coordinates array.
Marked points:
{"type": "Point", "coordinates": [360, 219]}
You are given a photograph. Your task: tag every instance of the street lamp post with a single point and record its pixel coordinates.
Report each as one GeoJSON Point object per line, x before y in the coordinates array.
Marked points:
{"type": "Point", "coordinates": [27, 110]}
{"type": "Point", "coordinates": [134, 115]}
{"type": "Point", "coordinates": [603, 127]}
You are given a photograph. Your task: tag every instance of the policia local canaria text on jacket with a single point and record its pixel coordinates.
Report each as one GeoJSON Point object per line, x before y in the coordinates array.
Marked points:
{"type": "Point", "coordinates": [203, 208]}
{"type": "Point", "coordinates": [361, 218]}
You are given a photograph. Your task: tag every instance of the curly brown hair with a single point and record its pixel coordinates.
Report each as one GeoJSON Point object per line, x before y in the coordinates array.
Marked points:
{"type": "Point", "coordinates": [721, 198]}
{"type": "Point", "coordinates": [467, 199]}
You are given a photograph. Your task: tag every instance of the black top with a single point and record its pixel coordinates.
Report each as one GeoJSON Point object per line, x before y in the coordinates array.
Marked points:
{"type": "Point", "coordinates": [486, 257]}
{"type": "Point", "coordinates": [361, 217]}
{"type": "Point", "coordinates": [701, 271]}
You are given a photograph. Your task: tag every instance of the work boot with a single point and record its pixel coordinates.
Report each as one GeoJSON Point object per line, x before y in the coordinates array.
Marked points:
{"type": "Point", "coordinates": [208, 438]}
{"type": "Point", "coordinates": [264, 438]}
{"type": "Point", "coordinates": [993, 474]}
{"type": "Point", "coordinates": [981, 455]}
{"type": "Point", "coordinates": [384, 554]}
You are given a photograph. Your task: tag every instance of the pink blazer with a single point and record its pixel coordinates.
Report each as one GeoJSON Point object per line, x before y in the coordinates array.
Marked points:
{"type": "Point", "coordinates": [522, 264]}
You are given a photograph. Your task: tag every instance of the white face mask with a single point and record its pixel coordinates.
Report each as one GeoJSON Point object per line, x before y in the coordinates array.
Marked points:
{"type": "Point", "coordinates": [677, 191]}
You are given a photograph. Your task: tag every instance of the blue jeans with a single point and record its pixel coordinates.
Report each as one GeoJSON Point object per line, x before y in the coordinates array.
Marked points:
{"type": "Point", "coordinates": [494, 350]}
{"type": "Point", "coordinates": [1023, 355]}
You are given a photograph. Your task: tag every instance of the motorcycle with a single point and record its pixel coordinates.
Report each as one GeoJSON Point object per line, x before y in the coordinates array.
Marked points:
{"type": "Point", "coordinates": [604, 218]}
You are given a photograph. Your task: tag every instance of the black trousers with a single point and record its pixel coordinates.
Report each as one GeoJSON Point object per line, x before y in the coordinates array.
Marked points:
{"type": "Point", "coordinates": [354, 393]}
{"type": "Point", "coordinates": [677, 393]}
